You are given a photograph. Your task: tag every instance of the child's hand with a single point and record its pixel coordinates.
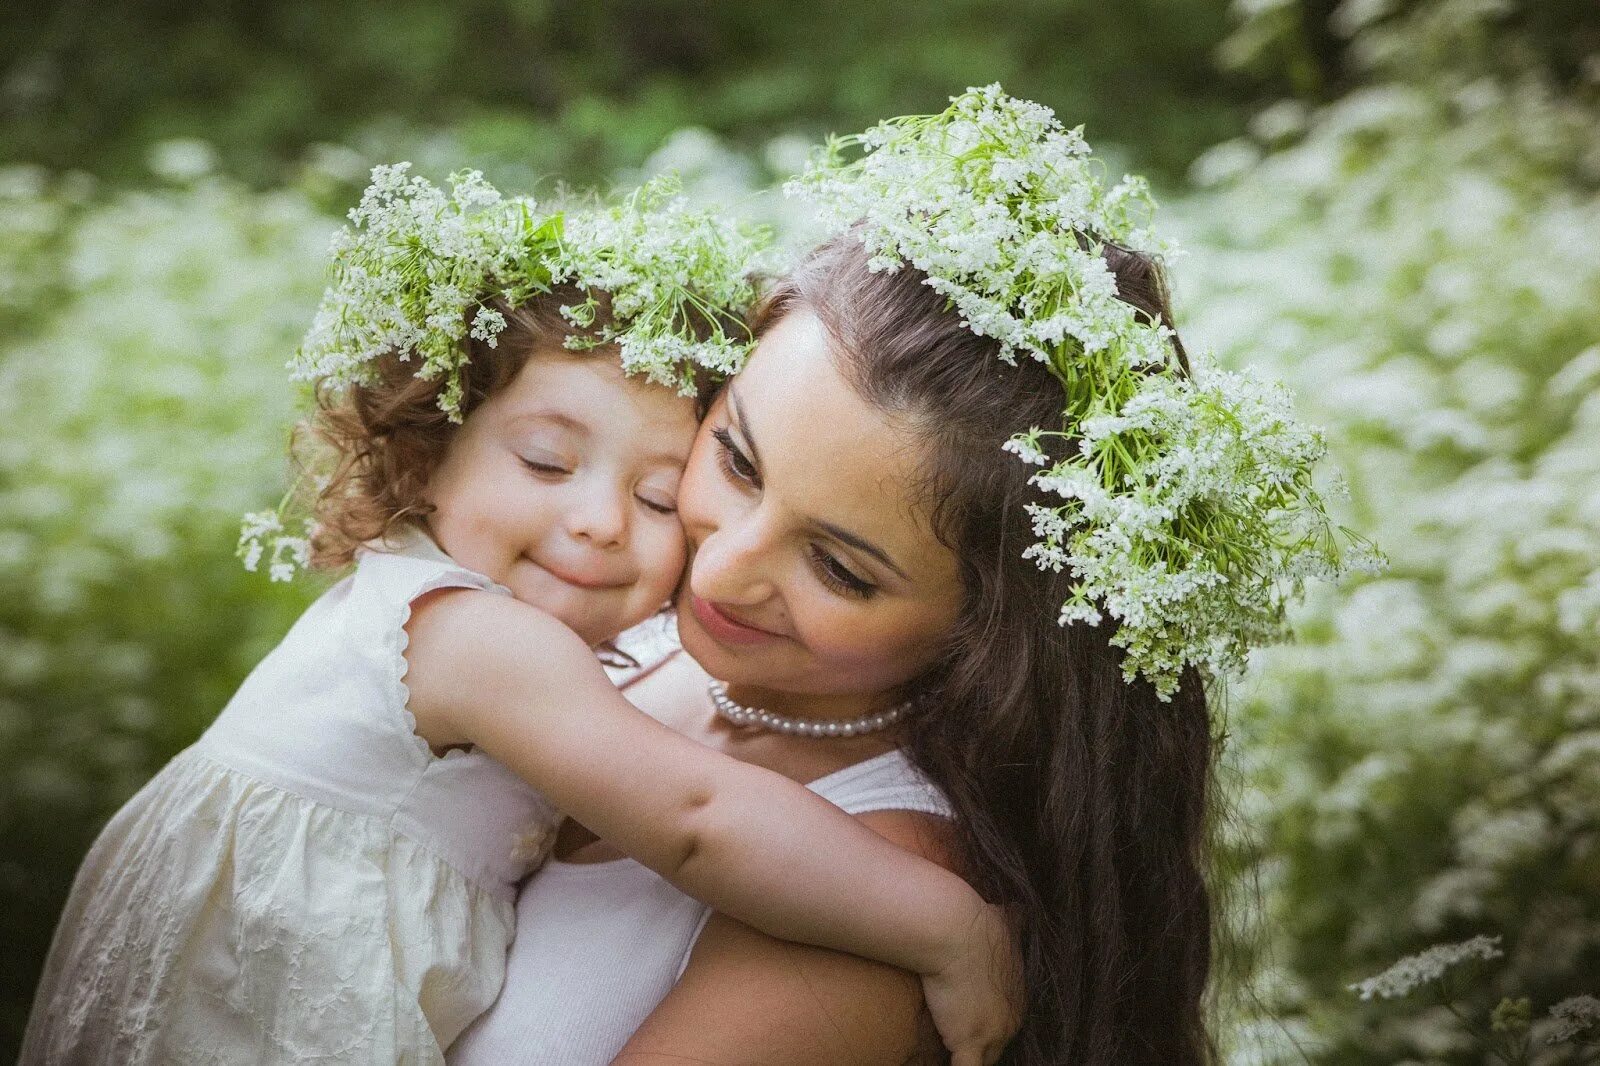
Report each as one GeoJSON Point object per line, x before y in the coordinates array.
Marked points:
{"type": "Point", "coordinates": [976, 999]}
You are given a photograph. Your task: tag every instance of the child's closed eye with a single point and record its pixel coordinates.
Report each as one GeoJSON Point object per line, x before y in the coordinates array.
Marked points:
{"type": "Point", "coordinates": [658, 506]}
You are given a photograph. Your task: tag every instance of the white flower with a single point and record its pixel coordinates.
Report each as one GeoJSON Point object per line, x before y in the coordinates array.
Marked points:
{"type": "Point", "coordinates": [414, 263]}
{"type": "Point", "coordinates": [1573, 1015]}
{"type": "Point", "coordinates": [261, 535]}
{"type": "Point", "coordinates": [1415, 970]}
{"type": "Point", "coordinates": [1026, 448]}
{"type": "Point", "coordinates": [487, 323]}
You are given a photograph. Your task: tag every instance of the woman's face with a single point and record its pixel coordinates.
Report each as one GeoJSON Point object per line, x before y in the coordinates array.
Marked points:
{"type": "Point", "coordinates": [813, 567]}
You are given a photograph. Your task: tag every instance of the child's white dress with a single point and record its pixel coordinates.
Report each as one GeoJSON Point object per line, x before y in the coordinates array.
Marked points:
{"type": "Point", "coordinates": [308, 882]}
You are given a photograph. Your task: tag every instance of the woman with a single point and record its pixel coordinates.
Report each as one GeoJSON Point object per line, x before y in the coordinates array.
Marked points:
{"type": "Point", "coordinates": [858, 539]}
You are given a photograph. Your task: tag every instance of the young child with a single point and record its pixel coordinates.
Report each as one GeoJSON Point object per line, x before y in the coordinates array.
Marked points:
{"type": "Point", "coordinates": [328, 873]}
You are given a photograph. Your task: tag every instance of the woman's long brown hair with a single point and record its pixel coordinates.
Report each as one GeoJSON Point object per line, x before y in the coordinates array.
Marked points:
{"type": "Point", "coordinates": [1082, 800]}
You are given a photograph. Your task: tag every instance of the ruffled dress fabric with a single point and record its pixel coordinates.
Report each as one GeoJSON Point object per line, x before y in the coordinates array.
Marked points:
{"type": "Point", "coordinates": [308, 882]}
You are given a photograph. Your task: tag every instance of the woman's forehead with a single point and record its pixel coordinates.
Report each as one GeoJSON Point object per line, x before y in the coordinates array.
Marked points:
{"type": "Point", "coordinates": [824, 451]}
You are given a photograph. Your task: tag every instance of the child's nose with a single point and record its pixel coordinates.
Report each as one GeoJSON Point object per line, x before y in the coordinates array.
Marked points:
{"type": "Point", "coordinates": [601, 519]}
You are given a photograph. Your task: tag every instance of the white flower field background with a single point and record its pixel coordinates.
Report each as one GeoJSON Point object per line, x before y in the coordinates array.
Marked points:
{"type": "Point", "coordinates": [1413, 849]}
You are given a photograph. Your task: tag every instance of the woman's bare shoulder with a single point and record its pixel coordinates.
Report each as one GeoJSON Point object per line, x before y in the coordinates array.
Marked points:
{"type": "Point", "coordinates": [927, 835]}
{"type": "Point", "coordinates": [745, 998]}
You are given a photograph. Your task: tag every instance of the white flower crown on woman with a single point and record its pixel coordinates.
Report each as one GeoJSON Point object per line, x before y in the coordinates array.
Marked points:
{"type": "Point", "coordinates": [417, 271]}
{"type": "Point", "coordinates": [1189, 514]}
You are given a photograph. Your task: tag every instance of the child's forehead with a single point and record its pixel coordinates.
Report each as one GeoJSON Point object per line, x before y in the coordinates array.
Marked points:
{"type": "Point", "coordinates": [590, 394]}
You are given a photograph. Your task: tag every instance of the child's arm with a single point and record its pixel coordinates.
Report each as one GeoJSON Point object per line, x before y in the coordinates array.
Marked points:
{"type": "Point", "coordinates": [749, 842]}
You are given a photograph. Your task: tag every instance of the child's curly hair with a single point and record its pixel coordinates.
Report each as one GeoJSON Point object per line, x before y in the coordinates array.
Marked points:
{"type": "Point", "coordinates": [373, 448]}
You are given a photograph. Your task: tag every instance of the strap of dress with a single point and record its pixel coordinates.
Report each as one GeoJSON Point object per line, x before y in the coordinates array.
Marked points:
{"type": "Point", "coordinates": [886, 783]}
{"type": "Point", "coordinates": [645, 647]}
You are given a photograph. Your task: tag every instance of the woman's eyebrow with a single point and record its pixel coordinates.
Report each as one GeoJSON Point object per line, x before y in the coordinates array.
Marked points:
{"type": "Point", "coordinates": [858, 542]}
{"type": "Point", "coordinates": [836, 532]}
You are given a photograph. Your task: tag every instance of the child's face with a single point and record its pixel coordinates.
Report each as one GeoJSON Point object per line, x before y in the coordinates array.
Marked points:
{"type": "Point", "coordinates": [563, 486]}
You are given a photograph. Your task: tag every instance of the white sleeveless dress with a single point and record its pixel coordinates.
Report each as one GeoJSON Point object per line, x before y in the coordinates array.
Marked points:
{"type": "Point", "coordinates": [307, 882]}
{"type": "Point", "coordinates": [600, 944]}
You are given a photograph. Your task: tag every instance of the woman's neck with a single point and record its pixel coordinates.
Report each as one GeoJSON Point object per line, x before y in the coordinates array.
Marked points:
{"type": "Point", "coordinates": [822, 707]}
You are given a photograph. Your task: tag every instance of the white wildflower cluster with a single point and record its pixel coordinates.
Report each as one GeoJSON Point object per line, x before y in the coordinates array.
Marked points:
{"type": "Point", "coordinates": [678, 279]}
{"type": "Point", "coordinates": [412, 273]}
{"type": "Point", "coordinates": [990, 199]}
{"type": "Point", "coordinates": [1573, 1015]}
{"type": "Point", "coordinates": [417, 272]}
{"type": "Point", "coordinates": [1190, 516]}
{"type": "Point", "coordinates": [143, 338]}
{"type": "Point", "coordinates": [417, 269]}
{"type": "Point", "coordinates": [1413, 971]}
{"type": "Point", "coordinates": [262, 536]}
{"type": "Point", "coordinates": [1368, 264]}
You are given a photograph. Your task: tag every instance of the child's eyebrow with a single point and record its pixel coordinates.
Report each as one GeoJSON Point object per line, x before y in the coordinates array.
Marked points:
{"type": "Point", "coordinates": [558, 418]}
{"type": "Point", "coordinates": [666, 458]}
{"type": "Point", "coordinates": [660, 457]}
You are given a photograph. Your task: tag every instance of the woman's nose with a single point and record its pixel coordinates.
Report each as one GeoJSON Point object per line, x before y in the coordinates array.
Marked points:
{"type": "Point", "coordinates": [732, 563]}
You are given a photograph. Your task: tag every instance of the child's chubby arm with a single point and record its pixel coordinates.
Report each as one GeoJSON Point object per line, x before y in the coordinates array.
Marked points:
{"type": "Point", "coordinates": [492, 671]}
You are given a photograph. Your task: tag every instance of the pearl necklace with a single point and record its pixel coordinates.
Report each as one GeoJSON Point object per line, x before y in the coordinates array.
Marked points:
{"type": "Point", "coordinates": [756, 718]}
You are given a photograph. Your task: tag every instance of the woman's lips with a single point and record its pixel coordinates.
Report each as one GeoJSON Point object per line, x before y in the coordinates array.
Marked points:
{"type": "Point", "coordinates": [724, 629]}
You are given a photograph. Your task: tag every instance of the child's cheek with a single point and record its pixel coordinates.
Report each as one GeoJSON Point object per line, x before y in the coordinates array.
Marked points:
{"type": "Point", "coordinates": [663, 571]}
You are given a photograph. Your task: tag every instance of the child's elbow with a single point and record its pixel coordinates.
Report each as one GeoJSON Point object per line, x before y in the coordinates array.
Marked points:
{"type": "Point", "coordinates": [704, 824]}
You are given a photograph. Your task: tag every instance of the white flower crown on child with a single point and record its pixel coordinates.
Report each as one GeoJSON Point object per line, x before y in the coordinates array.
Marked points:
{"type": "Point", "coordinates": [1189, 512]}
{"type": "Point", "coordinates": [417, 270]}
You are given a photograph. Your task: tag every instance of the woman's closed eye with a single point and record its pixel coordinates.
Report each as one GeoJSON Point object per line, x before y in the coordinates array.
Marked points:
{"type": "Point", "coordinates": [839, 577]}
{"type": "Point", "coordinates": [735, 464]}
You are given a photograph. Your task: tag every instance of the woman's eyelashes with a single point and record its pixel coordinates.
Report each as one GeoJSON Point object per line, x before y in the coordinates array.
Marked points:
{"type": "Point", "coordinates": [830, 571]}
{"type": "Point", "coordinates": [733, 462]}
{"type": "Point", "coordinates": [838, 577]}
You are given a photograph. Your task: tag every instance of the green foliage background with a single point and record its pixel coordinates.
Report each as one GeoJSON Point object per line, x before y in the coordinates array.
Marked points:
{"type": "Point", "coordinates": [1391, 202]}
